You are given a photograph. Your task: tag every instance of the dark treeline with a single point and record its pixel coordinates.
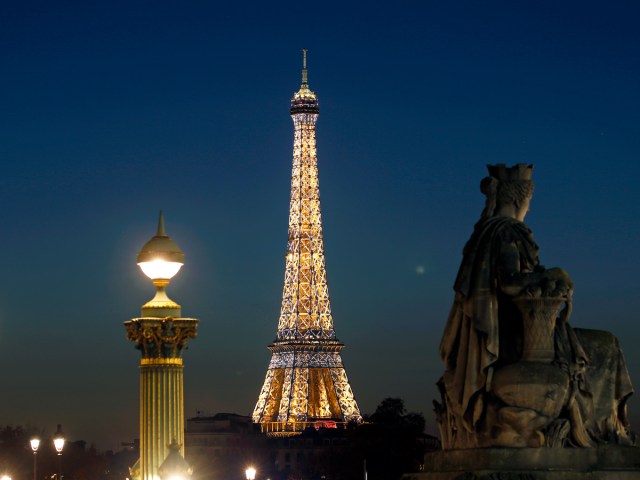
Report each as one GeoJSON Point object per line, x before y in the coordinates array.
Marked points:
{"type": "Point", "coordinates": [390, 443]}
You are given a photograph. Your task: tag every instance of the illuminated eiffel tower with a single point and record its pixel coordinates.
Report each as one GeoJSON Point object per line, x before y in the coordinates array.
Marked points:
{"type": "Point", "coordinates": [306, 384]}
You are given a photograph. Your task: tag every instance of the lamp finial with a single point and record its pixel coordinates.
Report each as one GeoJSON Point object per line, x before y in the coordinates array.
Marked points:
{"type": "Point", "coordinates": [161, 232]}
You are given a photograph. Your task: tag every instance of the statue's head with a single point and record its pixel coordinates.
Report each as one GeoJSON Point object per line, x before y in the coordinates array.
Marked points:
{"type": "Point", "coordinates": [508, 189]}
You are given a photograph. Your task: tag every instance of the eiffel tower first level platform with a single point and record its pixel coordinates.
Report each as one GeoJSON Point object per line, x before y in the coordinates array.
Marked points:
{"type": "Point", "coordinates": [306, 384]}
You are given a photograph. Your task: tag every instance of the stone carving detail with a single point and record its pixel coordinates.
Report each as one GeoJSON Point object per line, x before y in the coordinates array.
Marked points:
{"type": "Point", "coordinates": [538, 320]}
{"type": "Point", "coordinates": [517, 374]}
{"type": "Point", "coordinates": [161, 337]}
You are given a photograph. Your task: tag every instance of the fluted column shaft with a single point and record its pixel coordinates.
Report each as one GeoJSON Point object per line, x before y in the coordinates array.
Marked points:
{"type": "Point", "coordinates": [161, 413]}
{"type": "Point", "coordinates": [161, 341]}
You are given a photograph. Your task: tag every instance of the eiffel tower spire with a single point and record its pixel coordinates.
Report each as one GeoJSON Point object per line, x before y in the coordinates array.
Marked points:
{"type": "Point", "coordinates": [306, 381]}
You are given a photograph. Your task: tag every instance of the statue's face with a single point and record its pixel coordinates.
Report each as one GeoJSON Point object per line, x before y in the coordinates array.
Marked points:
{"type": "Point", "coordinates": [522, 209]}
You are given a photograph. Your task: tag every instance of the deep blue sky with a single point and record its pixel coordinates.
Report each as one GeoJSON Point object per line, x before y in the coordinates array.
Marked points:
{"type": "Point", "coordinates": [110, 111]}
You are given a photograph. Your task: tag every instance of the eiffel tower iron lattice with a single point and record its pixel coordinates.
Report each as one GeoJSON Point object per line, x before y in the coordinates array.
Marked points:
{"type": "Point", "coordinates": [306, 383]}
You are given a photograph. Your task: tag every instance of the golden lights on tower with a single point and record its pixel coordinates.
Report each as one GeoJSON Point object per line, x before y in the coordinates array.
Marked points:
{"type": "Point", "coordinates": [306, 382]}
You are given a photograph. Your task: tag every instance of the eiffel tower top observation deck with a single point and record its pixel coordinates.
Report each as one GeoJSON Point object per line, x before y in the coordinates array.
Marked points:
{"type": "Point", "coordinates": [304, 100]}
{"type": "Point", "coordinates": [306, 381]}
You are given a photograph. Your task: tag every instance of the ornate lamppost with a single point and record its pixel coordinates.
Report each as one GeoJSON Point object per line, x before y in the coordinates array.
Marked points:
{"type": "Point", "coordinates": [161, 335]}
{"type": "Point", "coordinates": [58, 443]}
{"type": "Point", "coordinates": [35, 443]}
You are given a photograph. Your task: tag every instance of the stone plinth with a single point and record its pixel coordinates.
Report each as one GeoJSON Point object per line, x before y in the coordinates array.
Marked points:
{"type": "Point", "coordinates": [609, 462]}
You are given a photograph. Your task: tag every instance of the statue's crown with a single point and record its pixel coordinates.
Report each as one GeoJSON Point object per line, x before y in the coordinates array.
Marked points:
{"type": "Point", "coordinates": [520, 171]}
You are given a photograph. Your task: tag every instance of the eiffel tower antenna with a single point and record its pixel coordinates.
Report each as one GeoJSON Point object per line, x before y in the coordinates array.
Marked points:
{"type": "Point", "coordinates": [304, 66]}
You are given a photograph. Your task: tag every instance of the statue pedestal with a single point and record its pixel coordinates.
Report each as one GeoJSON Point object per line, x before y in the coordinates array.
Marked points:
{"type": "Point", "coordinates": [609, 462]}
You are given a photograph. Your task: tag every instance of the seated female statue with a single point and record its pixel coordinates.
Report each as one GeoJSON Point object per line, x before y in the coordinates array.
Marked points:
{"type": "Point", "coordinates": [516, 373]}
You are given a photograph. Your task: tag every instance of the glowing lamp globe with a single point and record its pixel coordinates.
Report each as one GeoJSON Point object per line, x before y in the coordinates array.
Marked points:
{"type": "Point", "coordinates": [58, 440]}
{"type": "Point", "coordinates": [159, 269]}
{"type": "Point", "coordinates": [250, 473]}
{"type": "Point", "coordinates": [160, 259]}
{"type": "Point", "coordinates": [35, 443]}
{"type": "Point", "coordinates": [59, 444]}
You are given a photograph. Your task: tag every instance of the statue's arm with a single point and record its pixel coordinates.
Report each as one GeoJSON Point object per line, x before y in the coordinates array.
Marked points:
{"type": "Point", "coordinates": [513, 279]}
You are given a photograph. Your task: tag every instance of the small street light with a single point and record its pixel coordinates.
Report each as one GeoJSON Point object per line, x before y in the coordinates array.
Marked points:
{"type": "Point", "coordinates": [35, 443]}
{"type": "Point", "coordinates": [5, 477]}
{"type": "Point", "coordinates": [58, 443]}
{"type": "Point", "coordinates": [251, 473]}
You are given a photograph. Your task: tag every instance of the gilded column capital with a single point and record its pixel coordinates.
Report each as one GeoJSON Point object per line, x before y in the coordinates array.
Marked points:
{"type": "Point", "coordinates": [161, 338]}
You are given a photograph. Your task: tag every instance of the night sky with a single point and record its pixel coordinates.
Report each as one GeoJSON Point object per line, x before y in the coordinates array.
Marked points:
{"type": "Point", "coordinates": [111, 111]}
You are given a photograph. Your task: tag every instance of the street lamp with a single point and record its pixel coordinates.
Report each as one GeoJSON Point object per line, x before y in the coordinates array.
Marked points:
{"type": "Point", "coordinates": [5, 477]}
{"type": "Point", "coordinates": [58, 443]}
{"type": "Point", "coordinates": [35, 443]}
{"type": "Point", "coordinates": [161, 334]}
{"type": "Point", "coordinates": [251, 473]}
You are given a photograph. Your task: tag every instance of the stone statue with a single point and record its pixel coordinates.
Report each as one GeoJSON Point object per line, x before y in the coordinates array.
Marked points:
{"type": "Point", "coordinates": [516, 373]}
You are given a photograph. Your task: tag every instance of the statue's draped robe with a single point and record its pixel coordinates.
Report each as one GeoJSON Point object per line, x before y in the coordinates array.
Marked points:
{"type": "Point", "coordinates": [600, 397]}
{"type": "Point", "coordinates": [484, 332]}
{"type": "Point", "coordinates": [471, 342]}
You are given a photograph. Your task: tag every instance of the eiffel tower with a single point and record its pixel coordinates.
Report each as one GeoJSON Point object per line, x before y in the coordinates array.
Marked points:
{"type": "Point", "coordinates": [306, 384]}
